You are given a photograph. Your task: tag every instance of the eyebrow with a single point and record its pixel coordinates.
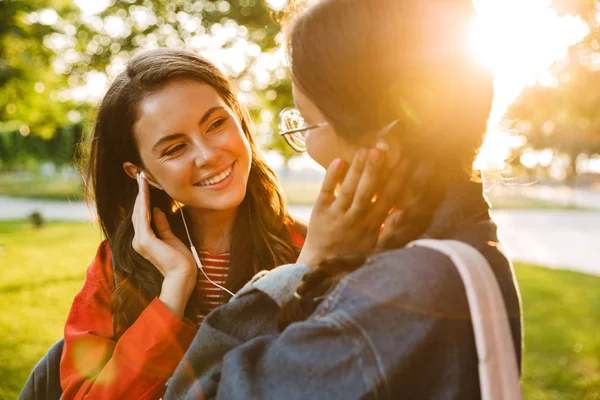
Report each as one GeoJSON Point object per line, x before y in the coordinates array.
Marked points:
{"type": "Point", "coordinates": [174, 136]}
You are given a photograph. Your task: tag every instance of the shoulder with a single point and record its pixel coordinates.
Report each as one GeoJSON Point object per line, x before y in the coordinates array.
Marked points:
{"type": "Point", "coordinates": [100, 270]}
{"type": "Point", "coordinates": [419, 279]}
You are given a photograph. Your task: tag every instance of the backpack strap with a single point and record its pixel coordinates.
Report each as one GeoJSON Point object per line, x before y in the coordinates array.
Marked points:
{"type": "Point", "coordinates": [498, 371]}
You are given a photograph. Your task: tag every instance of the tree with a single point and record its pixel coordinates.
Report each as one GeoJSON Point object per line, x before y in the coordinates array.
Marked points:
{"type": "Point", "coordinates": [240, 36]}
{"type": "Point", "coordinates": [27, 79]}
{"type": "Point", "coordinates": [563, 112]}
{"type": "Point", "coordinates": [47, 58]}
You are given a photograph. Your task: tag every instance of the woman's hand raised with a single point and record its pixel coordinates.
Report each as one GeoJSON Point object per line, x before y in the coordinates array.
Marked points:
{"type": "Point", "coordinates": [350, 221]}
{"type": "Point", "coordinates": [166, 252]}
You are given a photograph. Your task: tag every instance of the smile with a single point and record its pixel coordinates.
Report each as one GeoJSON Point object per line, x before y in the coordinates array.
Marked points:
{"type": "Point", "coordinates": [217, 178]}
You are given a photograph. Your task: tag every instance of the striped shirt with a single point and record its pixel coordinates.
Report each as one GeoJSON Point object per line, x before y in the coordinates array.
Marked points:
{"type": "Point", "coordinates": [216, 266]}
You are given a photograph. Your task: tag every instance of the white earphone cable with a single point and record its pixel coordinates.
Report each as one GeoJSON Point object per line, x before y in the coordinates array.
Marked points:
{"type": "Point", "coordinates": [197, 258]}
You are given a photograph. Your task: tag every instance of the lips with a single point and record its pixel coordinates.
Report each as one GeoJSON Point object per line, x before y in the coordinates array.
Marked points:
{"type": "Point", "coordinates": [216, 178]}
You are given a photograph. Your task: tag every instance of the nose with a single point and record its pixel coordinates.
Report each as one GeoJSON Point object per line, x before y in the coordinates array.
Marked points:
{"type": "Point", "coordinates": [205, 155]}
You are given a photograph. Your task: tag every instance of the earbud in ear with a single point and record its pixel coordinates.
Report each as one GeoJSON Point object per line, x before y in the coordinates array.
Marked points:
{"type": "Point", "coordinates": [154, 185]}
{"type": "Point", "coordinates": [150, 181]}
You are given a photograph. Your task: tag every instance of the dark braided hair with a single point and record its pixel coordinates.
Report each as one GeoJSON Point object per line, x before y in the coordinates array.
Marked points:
{"type": "Point", "coordinates": [364, 64]}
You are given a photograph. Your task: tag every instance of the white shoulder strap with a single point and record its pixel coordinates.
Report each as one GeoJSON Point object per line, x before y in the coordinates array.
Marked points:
{"type": "Point", "coordinates": [498, 371]}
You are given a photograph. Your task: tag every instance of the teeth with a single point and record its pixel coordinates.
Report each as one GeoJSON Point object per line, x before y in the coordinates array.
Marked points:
{"type": "Point", "coordinates": [218, 178]}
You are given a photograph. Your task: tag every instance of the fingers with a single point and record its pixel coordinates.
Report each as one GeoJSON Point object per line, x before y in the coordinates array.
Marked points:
{"type": "Point", "coordinates": [348, 188]}
{"type": "Point", "coordinates": [332, 177]}
{"type": "Point", "coordinates": [144, 197]}
{"type": "Point", "coordinates": [163, 229]}
{"type": "Point", "coordinates": [141, 217]}
{"type": "Point", "coordinates": [369, 182]}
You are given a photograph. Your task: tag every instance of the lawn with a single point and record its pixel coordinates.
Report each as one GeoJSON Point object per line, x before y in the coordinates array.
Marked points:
{"type": "Point", "coordinates": [42, 188]}
{"type": "Point", "coordinates": [41, 270]}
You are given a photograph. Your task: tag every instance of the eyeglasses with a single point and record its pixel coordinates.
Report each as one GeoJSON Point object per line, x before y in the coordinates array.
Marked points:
{"type": "Point", "coordinates": [293, 128]}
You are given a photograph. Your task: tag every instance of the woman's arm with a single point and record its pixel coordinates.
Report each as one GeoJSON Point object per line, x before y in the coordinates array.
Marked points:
{"type": "Point", "coordinates": [95, 365]}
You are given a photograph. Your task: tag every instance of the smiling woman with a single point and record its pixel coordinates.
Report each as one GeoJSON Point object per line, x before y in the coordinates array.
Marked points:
{"type": "Point", "coordinates": [170, 141]}
{"type": "Point", "coordinates": [195, 147]}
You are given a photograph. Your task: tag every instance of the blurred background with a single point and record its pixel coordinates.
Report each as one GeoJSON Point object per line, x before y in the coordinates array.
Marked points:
{"type": "Point", "coordinates": [541, 157]}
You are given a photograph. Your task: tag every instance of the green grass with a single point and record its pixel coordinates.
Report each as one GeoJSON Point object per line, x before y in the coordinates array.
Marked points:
{"type": "Point", "coordinates": [40, 273]}
{"type": "Point", "coordinates": [39, 188]}
{"type": "Point", "coordinates": [42, 270]}
{"type": "Point", "coordinates": [562, 334]}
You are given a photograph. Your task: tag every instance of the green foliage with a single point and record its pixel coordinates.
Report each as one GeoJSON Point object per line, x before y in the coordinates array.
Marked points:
{"type": "Point", "coordinates": [18, 151]}
{"type": "Point", "coordinates": [565, 115]}
{"type": "Point", "coordinates": [42, 61]}
{"type": "Point", "coordinates": [28, 84]}
{"type": "Point", "coordinates": [241, 36]}
{"type": "Point", "coordinates": [42, 187]}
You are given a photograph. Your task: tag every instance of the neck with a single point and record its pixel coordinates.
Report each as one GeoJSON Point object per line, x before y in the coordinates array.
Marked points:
{"type": "Point", "coordinates": [211, 230]}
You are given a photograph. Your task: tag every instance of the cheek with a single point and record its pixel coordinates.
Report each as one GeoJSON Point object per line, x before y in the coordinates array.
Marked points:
{"type": "Point", "coordinates": [172, 175]}
{"type": "Point", "coordinates": [240, 146]}
{"type": "Point", "coordinates": [325, 146]}
{"type": "Point", "coordinates": [318, 149]}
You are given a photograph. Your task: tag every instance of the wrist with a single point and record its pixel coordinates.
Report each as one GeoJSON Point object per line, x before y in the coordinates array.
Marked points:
{"type": "Point", "coordinates": [176, 292]}
{"type": "Point", "coordinates": [309, 258]}
{"type": "Point", "coordinates": [182, 283]}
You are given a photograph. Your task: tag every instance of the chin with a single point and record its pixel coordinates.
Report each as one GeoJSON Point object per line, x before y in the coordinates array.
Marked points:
{"type": "Point", "coordinates": [319, 157]}
{"type": "Point", "coordinates": [224, 202]}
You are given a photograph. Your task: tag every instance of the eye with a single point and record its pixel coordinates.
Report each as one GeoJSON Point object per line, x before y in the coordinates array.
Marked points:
{"type": "Point", "coordinates": [173, 150]}
{"type": "Point", "coordinates": [217, 124]}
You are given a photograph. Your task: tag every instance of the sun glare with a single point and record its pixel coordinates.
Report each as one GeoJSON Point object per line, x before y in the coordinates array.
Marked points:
{"type": "Point", "coordinates": [517, 40]}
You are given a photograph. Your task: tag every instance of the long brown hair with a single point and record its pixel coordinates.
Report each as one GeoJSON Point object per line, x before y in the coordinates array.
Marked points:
{"type": "Point", "coordinates": [365, 64]}
{"type": "Point", "coordinates": [261, 228]}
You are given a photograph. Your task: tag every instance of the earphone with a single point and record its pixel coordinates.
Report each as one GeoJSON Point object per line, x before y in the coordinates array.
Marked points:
{"type": "Point", "coordinates": [192, 248]}
{"type": "Point", "coordinates": [196, 257]}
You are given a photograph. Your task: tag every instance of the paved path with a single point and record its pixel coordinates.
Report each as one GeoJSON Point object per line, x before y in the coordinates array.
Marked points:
{"type": "Point", "coordinates": [556, 239]}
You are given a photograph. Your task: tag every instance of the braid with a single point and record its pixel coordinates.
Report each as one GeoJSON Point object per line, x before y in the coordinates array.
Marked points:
{"type": "Point", "coordinates": [429, 193]}
{"type": "Point", "coordinates": [315, 285]}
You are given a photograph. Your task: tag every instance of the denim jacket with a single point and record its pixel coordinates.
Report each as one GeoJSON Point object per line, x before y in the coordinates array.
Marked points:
{"type": "Point", "coordinates": [398, 327]}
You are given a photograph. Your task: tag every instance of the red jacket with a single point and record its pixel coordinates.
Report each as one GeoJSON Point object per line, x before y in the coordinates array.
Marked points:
{"type": "Point", "coordinates": [137, 366]}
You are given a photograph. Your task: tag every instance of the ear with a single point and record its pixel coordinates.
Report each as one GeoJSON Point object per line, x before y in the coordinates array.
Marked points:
{"type": "Point", "coordinates": [133, 170]}
{"type": "Point", "coordinates": [392, 148]}
{"type": "Point", "coordinates": [389, 144]}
